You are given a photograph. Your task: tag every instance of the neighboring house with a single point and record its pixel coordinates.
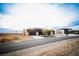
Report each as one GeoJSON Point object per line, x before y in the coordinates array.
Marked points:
{"type": "Point", "coordinates": [74, 32]}
{"type": "Point", "coordinates": [63, 31]}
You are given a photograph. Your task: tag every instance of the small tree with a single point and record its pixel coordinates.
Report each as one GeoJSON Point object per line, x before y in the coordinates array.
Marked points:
{"type": "Point", "coordinates": [45, 32]}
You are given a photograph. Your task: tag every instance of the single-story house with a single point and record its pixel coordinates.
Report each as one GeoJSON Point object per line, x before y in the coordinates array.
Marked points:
{"type": "Point", "coordinates": [74, 32]}
{"type": "Point", "coordinates": [37, 31]}
{"type": "Point", "coordinates": [63, 31]}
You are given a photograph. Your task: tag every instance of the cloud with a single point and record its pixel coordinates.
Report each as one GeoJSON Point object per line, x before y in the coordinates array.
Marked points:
{"type": "Point", "coordinates": [37, 15]}
{"type": "Point", "coordinates": [74, 23]}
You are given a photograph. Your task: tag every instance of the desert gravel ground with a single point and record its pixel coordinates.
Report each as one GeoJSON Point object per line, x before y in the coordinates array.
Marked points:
{"type": "Point", "coordinates": [62, 48]}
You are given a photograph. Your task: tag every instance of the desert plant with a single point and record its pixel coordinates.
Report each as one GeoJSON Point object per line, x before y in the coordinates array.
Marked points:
{"type": "Point", "coordinates": [45, 32]}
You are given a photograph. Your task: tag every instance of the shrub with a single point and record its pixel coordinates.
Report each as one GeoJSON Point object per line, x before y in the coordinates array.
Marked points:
{"type": "Point", "coordinates": [45, 32]}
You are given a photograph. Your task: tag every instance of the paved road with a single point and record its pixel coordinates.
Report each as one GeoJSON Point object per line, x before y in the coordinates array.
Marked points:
{"type": "Point", "coordinates": [10, 47]}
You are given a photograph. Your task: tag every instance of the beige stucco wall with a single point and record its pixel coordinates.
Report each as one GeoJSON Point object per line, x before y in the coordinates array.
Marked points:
{"type": "Point", "coordinates": [25, 32]}
{"type": "Point", "coordinates": [59, 33]}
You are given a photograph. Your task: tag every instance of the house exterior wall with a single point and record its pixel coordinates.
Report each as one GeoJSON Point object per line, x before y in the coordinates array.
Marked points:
{"type": "Point", "coordinates": [59, 33]}
{"type": "Point", "coordinates": [25, 32]}
{"type": "Point", "coordinates": [34, 32]}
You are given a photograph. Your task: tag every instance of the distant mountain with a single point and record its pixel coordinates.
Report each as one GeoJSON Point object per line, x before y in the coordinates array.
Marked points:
{"type": "Point", "coordinates": [5, 30]}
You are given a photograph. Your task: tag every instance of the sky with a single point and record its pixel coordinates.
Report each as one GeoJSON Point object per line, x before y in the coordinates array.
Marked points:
{"type": "Point", "coordinates": [38, 15]}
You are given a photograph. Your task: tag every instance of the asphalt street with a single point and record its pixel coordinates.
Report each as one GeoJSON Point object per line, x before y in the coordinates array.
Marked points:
{"type": "Point", "coordinates": [14, 46]}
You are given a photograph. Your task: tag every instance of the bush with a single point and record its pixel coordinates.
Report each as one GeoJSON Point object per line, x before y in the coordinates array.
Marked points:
{"type": "Point", "coordinates": [10, 38]}
{"type": "Point", "coordinates": [45, 32]}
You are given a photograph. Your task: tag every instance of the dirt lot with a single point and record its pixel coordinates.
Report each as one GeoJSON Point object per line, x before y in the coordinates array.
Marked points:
{"type": "Point", "coordinates": [61, 48]}
{"type": "Point", "coordinates": [13, 37]}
